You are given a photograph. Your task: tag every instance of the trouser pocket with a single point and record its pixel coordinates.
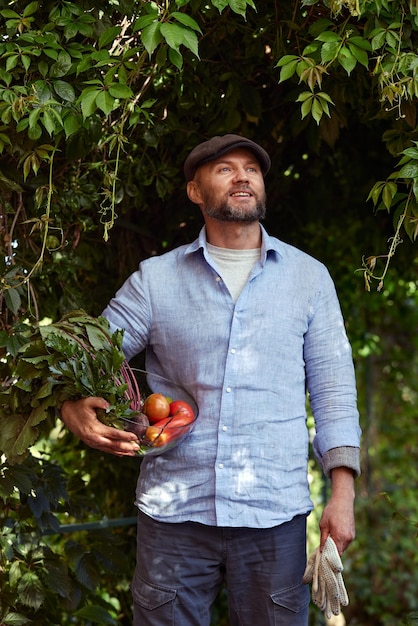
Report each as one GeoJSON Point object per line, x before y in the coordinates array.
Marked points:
{"type": "Point", "coordinates": [153, 604]}
{"type": "Point", "coordinates": [291, 606]}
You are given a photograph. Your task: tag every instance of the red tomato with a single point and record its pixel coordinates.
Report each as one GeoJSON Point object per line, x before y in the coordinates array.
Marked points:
{"type": "Point", "coordinates": [181, 408]}
{"type": "Point", "coordinates": [155, 437]}
{"type": "Point", "coordinates": [158, 437]}
{"type": "Point", "coordinates": [162, 423]}
{"type": "Point", "coordinates": [177, 421]}
{"type": "Point", "coordinates": [156, 407]}
{"type": "Point", "coordinates": [170, 428]}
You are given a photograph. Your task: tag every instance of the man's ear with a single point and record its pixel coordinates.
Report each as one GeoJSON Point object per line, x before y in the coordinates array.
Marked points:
{"type": "Point", "coordinates": [193, 192]}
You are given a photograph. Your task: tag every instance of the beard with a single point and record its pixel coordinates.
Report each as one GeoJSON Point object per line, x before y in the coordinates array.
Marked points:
{"type": "Point", "coordinates": [225, 211]}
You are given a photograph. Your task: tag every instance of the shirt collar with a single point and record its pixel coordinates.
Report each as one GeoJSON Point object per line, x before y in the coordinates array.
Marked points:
{"type": "Point", "coordinates": [268, 244]}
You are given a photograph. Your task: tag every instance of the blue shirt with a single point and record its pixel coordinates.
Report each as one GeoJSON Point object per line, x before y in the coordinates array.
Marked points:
{"type": "Point", "coordinates": [249, 366]}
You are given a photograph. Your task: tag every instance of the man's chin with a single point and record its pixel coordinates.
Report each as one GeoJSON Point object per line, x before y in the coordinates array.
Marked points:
{"type": "Point", "coordinates": [237, 214]}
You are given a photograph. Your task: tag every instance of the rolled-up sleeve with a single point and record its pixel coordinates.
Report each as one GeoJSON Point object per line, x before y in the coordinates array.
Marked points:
{"type": "Point", "coordinates": [331, 382]}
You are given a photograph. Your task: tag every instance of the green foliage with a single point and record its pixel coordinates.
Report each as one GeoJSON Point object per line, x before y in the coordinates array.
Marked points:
{"type": "Point", "coordinates": [359, 39]}
{"type": "Point", "coordinates": [75, 357]}
{"type": "Point", "coordinates": [73, 86]}
{"type": "Point", "coordinates": [47, 576]}
{"type": "Point", "coordinates": [99, 105]}
{"type": "Point", "coordinates": [398, 192]}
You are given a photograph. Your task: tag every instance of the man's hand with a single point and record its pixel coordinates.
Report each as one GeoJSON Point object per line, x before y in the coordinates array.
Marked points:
{"type": "Point", "coordinates": [80, 417]}
{"type": "Point", "coordinates": [338, 516]}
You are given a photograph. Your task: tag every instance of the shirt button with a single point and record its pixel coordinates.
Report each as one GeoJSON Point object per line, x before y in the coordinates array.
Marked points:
{"type": "Point", "coordinates": [218, 279]}
{"type": "Point", "coordinates": [224, 428]}
{"type": "Point", "coordinates": [233, 350]}
{"type": "Point", "coordinates": [228, 390]}
{"type": "Point", "coordinates": [221, 465]}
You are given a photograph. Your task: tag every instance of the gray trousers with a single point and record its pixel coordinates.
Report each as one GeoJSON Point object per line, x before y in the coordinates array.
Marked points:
{"type": "Point", "coordinates": [181, 568]}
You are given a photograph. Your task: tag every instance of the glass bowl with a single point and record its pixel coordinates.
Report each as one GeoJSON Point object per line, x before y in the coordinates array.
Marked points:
{"type": "Point", "coordinates": [165, 416]}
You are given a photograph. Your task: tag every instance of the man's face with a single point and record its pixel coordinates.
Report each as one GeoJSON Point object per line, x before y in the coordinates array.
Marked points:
{"type": "Point", "coordinates": [230, 188]}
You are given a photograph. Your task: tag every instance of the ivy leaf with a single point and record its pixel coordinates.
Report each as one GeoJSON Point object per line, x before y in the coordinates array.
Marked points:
{"type": "Point", "coordinates": [378, 39]}
{"type": "Point", "coordinates": [329, 51]}
{"type": "Point", "coordinates": [144, 21]}
{"type": "Point", "coordinates": [95, 613]}
{"type": "Point", "coordinates": [30, 9]}
{"type": "Point", "coordinates": [109, 35]}
{"type": "Point", "coordinates": [30, 590]}
{"type": "Point", "coordinates": [328, 37]}
{"type": "Point", "coordinates": [9, 14]}
{"type": "Point", "coordinates": [185, 19]}
{"type": "Point", "coordinates": [16, 437]}
{"type": "Point", "coordinates": [306, 99]}
{"type": "Point", "coordinates": [151, 37]}
{"type": "Point", "coordinates": [220, 4]}
{"type": "Point", "coordinates": [359, 53]}
{"type": "Point", "coordinates": [11, 62]}
{"type": "Point", "coordinates": [88, 101]}
{"type": "Point", "coordinates": [409, 170]}
{"type": "Point", "coordinates": [412, 153]}
{"type": "Point", "coordinates": [120, 91]}
{"type": "Point", "coordinates": [287, 58]}
{"type": "Point", "coordinates": [25, 61]}
{"type": "Point", "coordinates": [347, 59]}
{"type": "Point", "coordinates": [237, 6]}
{"type": "Point", "coordinates": [191, 42]}
{"type": "Point", "coordinates": [5, 76]}
{"type": "Point", "coordinates": [61, 66]}
{"type": "Point", "coordinates": [388, 193]}
{"type": "Point", "coordinates": [13, 300]}
{"type": "Point", "coordinates": [105, 102]}
{"type": "Point", "coordinates": [172, 34]}
{"type": "Point", "coordinates": [15, 619]}
{"type": "Point", "coordinates": [375, 192]}
{"type": "Point", "coordinates": [57, 578]}
{"type": "Point", "coordinates": [87, 572]}
{"type": "Point", "coordinates": [48, 123]}
{"type": "Point", "coordinates": [14, 344]}
{"type": "Point", "coordinates": [288, 68]}
{"type": "Point", "coordinates": [317, 110]}
{"type": "Point", "coordinates": [71, 123]}
{"type": "Point", "coordinates": [64, 90]}
{"type": "Point", "coordinates": [175, 58]}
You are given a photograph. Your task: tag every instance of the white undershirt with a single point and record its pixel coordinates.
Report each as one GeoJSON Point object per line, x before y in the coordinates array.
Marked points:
{"type": "Point", "coordinates": [234, 266]}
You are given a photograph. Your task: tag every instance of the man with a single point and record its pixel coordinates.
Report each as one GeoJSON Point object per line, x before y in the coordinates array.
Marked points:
{"type": "Point", "coordinates": [246, 324]}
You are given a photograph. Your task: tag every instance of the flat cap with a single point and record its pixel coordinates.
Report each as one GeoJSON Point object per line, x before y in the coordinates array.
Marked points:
{"type": "Point", "coordinates": [217, 146]}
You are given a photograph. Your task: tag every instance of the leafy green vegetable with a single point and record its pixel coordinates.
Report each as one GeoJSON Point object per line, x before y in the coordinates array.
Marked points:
{"type": "Point", "coordinates": [72, 358]}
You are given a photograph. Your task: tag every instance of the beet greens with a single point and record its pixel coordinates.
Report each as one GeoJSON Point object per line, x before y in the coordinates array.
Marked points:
{"type": "Point", "coordinates": [75, 357]}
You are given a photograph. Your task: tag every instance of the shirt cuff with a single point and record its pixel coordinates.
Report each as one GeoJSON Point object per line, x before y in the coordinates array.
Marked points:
{"type": "Point", "coordinates": [345, 456]}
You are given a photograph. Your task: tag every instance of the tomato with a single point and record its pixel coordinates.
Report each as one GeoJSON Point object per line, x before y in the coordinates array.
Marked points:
{"type": "Point", "coordinates": [170, 427]}
{"type": "Point", "coordinates": [156, 407]}
{"type": "Point", "coordinates": [179, 420]}
{"type": "Point", "coordinates": [158, 437]}
{"type": "Point", "coordinates": [155, 437]}
{"type": "Point", "coordinates": [162, 423]}
{"type": "Point", "coordinates": [179, 407]}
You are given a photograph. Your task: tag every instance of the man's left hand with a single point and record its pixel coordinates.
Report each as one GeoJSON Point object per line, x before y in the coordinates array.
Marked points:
{"type": "Point", "coordinates": [338, 516]}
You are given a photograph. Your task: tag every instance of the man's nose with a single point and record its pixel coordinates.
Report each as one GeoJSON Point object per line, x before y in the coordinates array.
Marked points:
{"type": "Point", "coordinates": [241, 174]}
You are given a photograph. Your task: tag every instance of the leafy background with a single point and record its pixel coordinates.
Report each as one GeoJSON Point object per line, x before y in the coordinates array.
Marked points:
{"type": "Point", "coordinates": [99, 105]}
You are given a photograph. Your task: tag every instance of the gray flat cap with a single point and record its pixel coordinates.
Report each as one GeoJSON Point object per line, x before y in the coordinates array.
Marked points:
{"type": "Point", "coordinates": [217, 146]}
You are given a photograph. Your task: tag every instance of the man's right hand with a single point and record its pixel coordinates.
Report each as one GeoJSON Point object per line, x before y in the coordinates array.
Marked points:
{"type": "Point", "coordinates": [80, 417]}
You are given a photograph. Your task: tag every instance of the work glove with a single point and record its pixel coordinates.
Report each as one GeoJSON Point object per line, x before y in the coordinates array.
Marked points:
{"type": "Point", "coordinates": [324, 571]}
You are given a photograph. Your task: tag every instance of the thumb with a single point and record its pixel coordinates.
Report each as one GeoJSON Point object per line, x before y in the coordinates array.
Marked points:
{"type": "Point", "coordinates": [94, 402]}
{"type": "Point", "coordinates": [324, 536]}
